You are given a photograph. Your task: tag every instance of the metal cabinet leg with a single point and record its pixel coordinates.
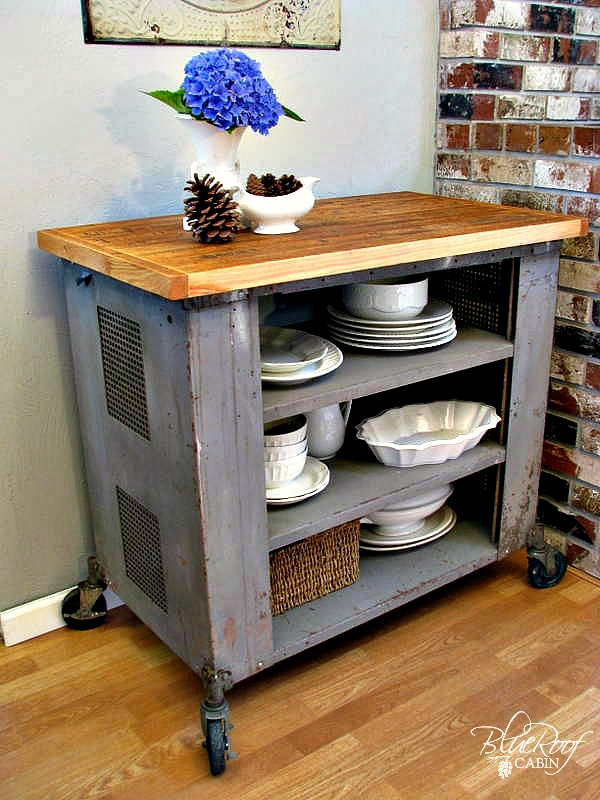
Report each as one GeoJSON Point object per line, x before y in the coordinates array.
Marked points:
{"type": "Point", "coordinates": [547, 565]}
{"type": "Point", "coordinates": [214, 718]}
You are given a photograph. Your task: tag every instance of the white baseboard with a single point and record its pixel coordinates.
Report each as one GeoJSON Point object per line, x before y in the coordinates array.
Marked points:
{"type": "Point", "coordinates": [39, 616]}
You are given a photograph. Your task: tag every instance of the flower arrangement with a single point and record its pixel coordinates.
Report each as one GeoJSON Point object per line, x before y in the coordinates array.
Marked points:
{"type": "Point", "coordinates": [226, 88]}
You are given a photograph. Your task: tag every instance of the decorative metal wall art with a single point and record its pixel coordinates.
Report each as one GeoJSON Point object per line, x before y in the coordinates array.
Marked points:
{"type": "Point", "coordinates": [244, 23]}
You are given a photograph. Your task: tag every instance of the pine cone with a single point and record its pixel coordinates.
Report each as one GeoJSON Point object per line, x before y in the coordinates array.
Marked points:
{"type": "Point", "coordinates": [254, 185]}
{"type": "Point", "coordinates": [270, 186]}
{"type": "Point", "coordinates": [289, 184]}
{"type": "Point", "coordinates": [211, 212]}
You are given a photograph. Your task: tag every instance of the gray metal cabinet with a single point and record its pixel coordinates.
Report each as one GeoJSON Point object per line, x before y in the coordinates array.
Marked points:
{"type": "Point", "coordinates": [172, 413]}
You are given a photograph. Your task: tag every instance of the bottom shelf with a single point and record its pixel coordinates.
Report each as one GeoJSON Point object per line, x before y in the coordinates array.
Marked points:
{"type": "Point", "coordinates": [386, 581]}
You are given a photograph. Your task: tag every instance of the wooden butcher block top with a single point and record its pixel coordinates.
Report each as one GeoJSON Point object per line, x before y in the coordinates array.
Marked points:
{"type": "Point", "coordinates": [340, 235]}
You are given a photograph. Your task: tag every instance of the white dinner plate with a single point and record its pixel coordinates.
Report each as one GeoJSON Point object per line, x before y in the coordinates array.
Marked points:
{"type": "Point", "coordinates": [434, 312]}
{"type": "Point", "coordinates": [312, 480]}
{"type": "Point", "coordinates": [332, 360]}
{"type": "Point", "coordinates": [408, 545]}
{"type": "Point", "coordinates": [399, 333]}
{"type": "Point", "coordinates": [400, 339]}
{"type": "Point", "coordinates": [363, 345]}
{"type": "Point", "coordinates": [440, 521]}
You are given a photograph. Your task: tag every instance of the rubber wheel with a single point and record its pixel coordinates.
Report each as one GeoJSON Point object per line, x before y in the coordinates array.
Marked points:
{"type": "Point", "coordinates": [215, 746]}
{"type": "Point", "coordinates": [71, 604]}
{"type": "Point", "coordinates": [540, 578]}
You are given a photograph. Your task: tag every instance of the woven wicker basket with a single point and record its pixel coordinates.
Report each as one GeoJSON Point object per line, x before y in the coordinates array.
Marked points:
{"type": "Point", "coordinates": [314, 567]}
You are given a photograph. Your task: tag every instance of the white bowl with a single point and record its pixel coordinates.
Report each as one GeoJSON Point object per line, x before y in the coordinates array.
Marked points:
{"type": "Point", "coordinates": [289, 430]}
{"type": "Point", "coordinates": [407, 513]}
{"type": "Point", "coordinates": [427, 433]}
{"type": "Point", "coordinates": [285, 451]}
{"type": "Point", "coordinates": [389, 299]}
{"type": "Point", "coordinates": [284, 350]}
{"type": "Point", "coordinates": [279, 472]}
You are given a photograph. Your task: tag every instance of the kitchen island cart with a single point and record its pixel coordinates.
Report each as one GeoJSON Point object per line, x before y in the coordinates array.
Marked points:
{"type": "Point", "coordinates": [165, 341]}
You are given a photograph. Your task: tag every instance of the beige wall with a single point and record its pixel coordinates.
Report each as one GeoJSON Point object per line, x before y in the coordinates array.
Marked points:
{"type": "Point", "coordinates": [82, 144]}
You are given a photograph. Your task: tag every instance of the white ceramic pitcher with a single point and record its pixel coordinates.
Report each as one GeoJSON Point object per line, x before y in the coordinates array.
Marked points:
{"type": "Point", "coordinates": [326, 429]}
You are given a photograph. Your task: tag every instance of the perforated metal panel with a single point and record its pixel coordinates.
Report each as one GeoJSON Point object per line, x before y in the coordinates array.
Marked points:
{"type": "Point", "coordinates": [123, 368]}
{"type": "Point", "coordinates": [140, 532]}
{"type": "Point", "coordinates": [479, 295]}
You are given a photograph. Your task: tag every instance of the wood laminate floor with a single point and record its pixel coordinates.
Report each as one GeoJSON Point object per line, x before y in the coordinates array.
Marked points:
{"type": "Point", "coordinates": [384, 712]}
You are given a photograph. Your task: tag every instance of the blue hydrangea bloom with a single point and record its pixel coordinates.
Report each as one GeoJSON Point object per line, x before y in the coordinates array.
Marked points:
{"type": "Point", "coordinates": [226, 88]}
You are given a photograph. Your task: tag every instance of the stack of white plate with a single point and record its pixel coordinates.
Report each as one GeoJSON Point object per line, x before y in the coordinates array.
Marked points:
{"type": "Point", "coordinates": [290, 357]}
{"type": "Point", "coordinates": [409, 523]}
{"type": "Point", "coordinates": [433, 327]}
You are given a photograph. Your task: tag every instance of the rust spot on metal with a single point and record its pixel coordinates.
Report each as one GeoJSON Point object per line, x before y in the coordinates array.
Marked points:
{"type": "Point", "coordinates": [230, 632]}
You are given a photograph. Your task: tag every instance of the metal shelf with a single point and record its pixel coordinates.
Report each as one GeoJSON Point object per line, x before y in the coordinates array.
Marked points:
{"type": "Point", "coordinates": [357, 487]}
{"type": "Point", "coordinates": [386, 581]}
{"type": "Point", "coordinates": [364, 374]}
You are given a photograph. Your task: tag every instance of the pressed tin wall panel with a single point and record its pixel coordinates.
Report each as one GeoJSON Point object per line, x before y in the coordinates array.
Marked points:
{"type": "Point", "coordinates": [260, 23]}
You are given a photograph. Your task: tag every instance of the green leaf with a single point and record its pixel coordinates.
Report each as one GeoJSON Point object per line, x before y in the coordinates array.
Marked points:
{"type": "Point", "coordinates": [291, 114]}
{"type": "Point", "coordinates": [173, 99]}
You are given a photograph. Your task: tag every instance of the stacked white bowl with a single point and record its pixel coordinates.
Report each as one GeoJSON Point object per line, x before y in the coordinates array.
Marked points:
{"type": "Point", "coordinates": [387, 300]}
{"type": "Point", "coordinates": [285, 450]}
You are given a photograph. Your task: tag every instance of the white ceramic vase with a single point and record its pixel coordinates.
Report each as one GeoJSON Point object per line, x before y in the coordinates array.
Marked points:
{"type": "Point", "coordinates": [216, 154]}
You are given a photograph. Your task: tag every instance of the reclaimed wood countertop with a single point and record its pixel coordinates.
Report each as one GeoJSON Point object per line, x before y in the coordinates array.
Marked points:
{"type": "Point", "coordinates": [340, 235]}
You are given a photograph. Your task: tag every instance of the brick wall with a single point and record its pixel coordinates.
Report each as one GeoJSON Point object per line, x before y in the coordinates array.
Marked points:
{"type": "Point", "coordinates": [519, 124]}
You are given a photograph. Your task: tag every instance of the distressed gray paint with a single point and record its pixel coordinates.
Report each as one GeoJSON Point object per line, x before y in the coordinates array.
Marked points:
{"type": "Point", "coordinates": [531, 363]}
{"type": "Point", "coordinates": [202, 472]}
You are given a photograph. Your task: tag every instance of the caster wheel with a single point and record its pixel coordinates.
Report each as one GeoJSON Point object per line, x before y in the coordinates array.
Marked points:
{"type": "Point", "coordinates": [216, 745]}
{"type": "Point", "coordinates": [540, 578]}
{"type": "Point", "coordinates": [71, 604]}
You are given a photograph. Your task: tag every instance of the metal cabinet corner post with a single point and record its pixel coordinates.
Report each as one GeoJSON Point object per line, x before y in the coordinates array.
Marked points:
{"type": "Point", "coordinates": [171, 416]}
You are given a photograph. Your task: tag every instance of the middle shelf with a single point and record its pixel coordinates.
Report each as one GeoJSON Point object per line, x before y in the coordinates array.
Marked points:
{"type": "Point", "coordinates": [358, 487]}
{"type": "Point", "coordinates": [364, 374]}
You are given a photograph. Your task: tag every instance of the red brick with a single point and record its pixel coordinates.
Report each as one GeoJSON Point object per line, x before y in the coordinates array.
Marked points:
{"type": "Point", "coordinates": [521, 138]}
{"type": "Point", "coordinates": [483, 106]}
{"type": "Point", "coordinates": [452, 165]}
{"type": "Point", "coordinates": [517, 47]}
{"type": "Point", "coordinates": [521, 106]}
{"type": "Point", "coordinates": [567, 107]}
{"type": "Point", "coordinates": [590, 439]}
{"type": "Point", "coordinates": [576, 555]}
{"type": "Point", "coordinates": [574, 401]}
{"type": "Point", "coordinates": [502, 169]}
{"type": "Point", "coordinates": [555, 139]}
{"type": "Point", "coordinates": [459, 76]}
{"type": "Point", "coordinates": [488, 136]}
{"type": "Point", "coordinates": [524, 198]}
{"type": "Point", "coordinates": [566, 367]}
{"type": "Point", "coordinates": [558, 459]}
{"type": "Point", "coordinates": [444, 15]}
{"type": "Point", "coordinates": [581, 247]}
{"type": "Point", "coordinates": [586, 498]}
{"type": "Point", "coordinates": [581, 275]}
{"type": "Point", "coordinates": [468, 191]}
{"type": "Point", "coordinates": [574, 307]}
{"type": "Point", "coordinates": [584, 207]}
{"type": "Point", "coordinates": [497, 76]}
{"type": "Point", "coordinates": [574, 51]}
{"type": "Point", "coordinates": [501, 14]}
{"type": "Point", "coordinates": [454, 136]}
{"type": "Point", "coordinates": [586, 141]}
{"type": "Point", "coordinates": [592, 375]}
{"type": "Point", "coordinates": [573, 177]}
